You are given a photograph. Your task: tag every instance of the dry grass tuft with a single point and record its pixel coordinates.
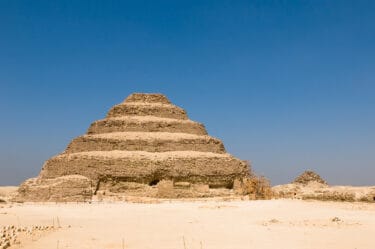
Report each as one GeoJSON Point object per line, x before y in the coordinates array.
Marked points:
{"type": "Point", "coordinates": [257, 187]}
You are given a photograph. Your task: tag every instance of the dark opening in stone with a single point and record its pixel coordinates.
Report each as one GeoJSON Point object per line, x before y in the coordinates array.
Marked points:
{"type": "Point", "coordinates": [216, 186]}
{"type": "Point", "coordinates": [154, 182]}
{"type": "Point", "coordinates": [229, 185]}
{"type": "Point", "coordinates": [373, 198]}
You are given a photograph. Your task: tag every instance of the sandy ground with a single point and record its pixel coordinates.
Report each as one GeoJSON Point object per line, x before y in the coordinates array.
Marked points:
{"type": "Point", "coordinates": [205, 224]}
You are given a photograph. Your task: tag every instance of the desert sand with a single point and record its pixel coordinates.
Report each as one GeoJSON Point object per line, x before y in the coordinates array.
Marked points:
{"type": "Point", "coordinates": [197, 224]}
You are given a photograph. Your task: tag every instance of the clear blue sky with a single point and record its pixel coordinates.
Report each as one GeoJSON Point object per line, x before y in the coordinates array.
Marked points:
{"type": "Point", "coordinates": [289, 85]}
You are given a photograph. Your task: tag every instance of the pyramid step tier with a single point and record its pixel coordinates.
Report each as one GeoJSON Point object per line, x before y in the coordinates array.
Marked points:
{"type": "Point", "coordinates": [147, 167]}
{"type": "Point", "coordinates": [147, 109]}
{"type": "Point", "coordinates": [146, 141]}
{"type": "Point", "coordinates": [146, 124]}
{"type": "Point", "coordinates": [147, 98]}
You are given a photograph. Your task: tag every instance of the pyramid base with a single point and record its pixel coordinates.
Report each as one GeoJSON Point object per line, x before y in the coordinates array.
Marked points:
{"type": "Point", "coordinates": [76, 188]}
{"type": "Point", "coordinates": [112, 190]}
{"type": "Point", "coordinates": [216, 170]}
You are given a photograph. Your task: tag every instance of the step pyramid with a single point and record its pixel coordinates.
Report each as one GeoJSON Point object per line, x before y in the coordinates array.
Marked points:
{"type": "Point", "coordinates": [144, 146]}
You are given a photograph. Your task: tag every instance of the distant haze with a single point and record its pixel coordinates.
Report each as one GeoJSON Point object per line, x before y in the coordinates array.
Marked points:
{"type": "Point", "coordinates": [288, 86]}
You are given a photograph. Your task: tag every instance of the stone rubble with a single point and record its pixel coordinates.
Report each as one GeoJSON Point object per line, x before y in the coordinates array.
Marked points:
{"type": "Point", "coordinates": [9, 235]}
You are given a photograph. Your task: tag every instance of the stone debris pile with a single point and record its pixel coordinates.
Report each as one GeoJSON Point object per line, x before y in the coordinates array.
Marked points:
{"type": "Point", "coordinates": [308, 177]}
{"type": "Point", "coordinates": [9, 235]}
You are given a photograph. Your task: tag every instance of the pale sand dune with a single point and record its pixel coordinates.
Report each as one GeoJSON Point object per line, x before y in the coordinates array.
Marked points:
{"type": "Point", "coordinates": [289, 224]}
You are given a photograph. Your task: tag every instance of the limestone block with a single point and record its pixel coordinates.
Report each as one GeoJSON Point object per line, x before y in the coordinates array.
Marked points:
{"type": "Point", "coordinates": [166, 189]}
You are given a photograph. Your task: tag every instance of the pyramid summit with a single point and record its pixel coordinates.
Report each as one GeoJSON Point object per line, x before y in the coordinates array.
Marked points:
{"type": "Point", "coordinates": [146, 146]}
{"type": "Point", "coordinates": [147, 98]}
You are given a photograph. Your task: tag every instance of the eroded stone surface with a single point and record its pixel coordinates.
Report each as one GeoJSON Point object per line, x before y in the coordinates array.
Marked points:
{"type": "Point", "coordinates": [309, 176]}
{"type": "Point", "coordinates": [146, 146]}
{"type": "Point", "coordinates": [67, 188]}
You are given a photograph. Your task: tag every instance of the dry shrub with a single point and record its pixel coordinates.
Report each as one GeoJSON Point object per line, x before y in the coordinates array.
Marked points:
{"type": "Point", "coordinates": [257, 187]}
{"type": "Point", "coordinates": [262, 188]}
